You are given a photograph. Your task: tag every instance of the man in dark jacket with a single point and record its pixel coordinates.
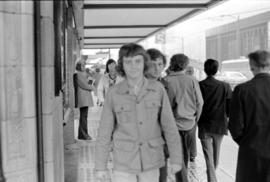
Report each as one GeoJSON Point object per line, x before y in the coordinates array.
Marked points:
{"type": "Point", "coordinates": [250, 121]}
{"type": "Point", "coordinates": [213, 121]}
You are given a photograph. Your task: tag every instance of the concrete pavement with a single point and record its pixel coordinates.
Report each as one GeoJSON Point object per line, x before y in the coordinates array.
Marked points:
{"type": "Point", "coordinates": [79, 160]}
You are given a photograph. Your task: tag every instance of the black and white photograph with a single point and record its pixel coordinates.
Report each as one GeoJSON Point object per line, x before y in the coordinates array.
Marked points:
{"type": "Point", "coordinates": [135, 91]}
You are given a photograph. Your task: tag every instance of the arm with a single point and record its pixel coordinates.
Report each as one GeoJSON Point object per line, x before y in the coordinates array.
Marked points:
{"type": "Point", "coordinates": [83, 83]}
{"type": "Point", "coordinates": [199, 100]}
{"type": "Point", "coordinates": [236, 121]}
{"type": "Point", "coordinates": [170, 131]}
{"type": "Point", "coordinates": [228, 99]}
{"type": "Point", "coordinates": [171, 94]}
{"type": "Point", "coordinates": [105, 132]}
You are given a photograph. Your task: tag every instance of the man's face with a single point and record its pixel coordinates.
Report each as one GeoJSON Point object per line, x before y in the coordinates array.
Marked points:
{"type": "Point", "coordinates": [156, 67]}
{"type": "Point", "coordinates": [133, 66]}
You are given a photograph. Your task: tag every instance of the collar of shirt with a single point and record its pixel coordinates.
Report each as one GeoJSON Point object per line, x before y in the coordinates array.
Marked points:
{"type": "Point", "coordinates": [135, 89]}
{"type": "Point", "coordinates": [259, 75]}
{"type": "Point", "coordinates": [124, 88]}
{"type": "Point", "coordinates": [173, 73]}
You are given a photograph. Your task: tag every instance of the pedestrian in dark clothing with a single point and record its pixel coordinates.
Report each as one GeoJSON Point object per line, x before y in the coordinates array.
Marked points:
{"type": "Point", "coordinates": [213, 121]}
{"type": "Point", "coordinates": [186, 102]}
{"type": "Point", "coordinates": [250, 121]}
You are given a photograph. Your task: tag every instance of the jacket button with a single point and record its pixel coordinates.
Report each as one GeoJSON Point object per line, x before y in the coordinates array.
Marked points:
{"type": "Point", "coordinates": [140, 143]}
{"type": "Point", "coordinates": [140, 122]}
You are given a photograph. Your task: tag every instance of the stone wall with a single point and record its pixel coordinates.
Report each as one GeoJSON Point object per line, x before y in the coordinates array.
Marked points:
{"type": "Point", "coordinates": [17, 96]}
{"type": "Point", "coordinates": [52, 110]}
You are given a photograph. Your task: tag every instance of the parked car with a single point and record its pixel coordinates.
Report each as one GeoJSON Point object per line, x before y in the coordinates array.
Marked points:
{"type": "Point", "coordinates": [231, 77]}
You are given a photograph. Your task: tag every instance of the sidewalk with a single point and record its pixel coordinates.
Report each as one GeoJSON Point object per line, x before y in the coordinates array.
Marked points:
{"type": "Point", "coordinates": [79, 162]}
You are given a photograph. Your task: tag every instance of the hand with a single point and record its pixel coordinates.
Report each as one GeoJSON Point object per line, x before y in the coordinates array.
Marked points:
{"type": "Point", "coordinates": [175, 168]}
{"type": "Point", "coordinates": [99, 103]}
{"type": "Point", "coordinates": [101, 176]}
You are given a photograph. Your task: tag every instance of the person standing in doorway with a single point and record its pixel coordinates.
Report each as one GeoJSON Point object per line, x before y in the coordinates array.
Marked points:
{"type": "Point", "coordinates": [214, 118]}
{"type": "Point", "coordinates": [136, 112]}
{"type": "Point", "coordinates": [83, 98]}
{"type": "Point", "coordinates": [186, 102]}
{"type": "Point", "coordinates": [249, 121]}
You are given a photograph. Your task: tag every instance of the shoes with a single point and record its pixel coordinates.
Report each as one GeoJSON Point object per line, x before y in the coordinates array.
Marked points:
{"type": "Point", "coordinates": [85, 138]}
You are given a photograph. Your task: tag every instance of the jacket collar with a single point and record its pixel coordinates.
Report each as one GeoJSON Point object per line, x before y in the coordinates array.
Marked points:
{"type": "Point", "coordinates": [146, 87]}
{"type": "Point", "coordinates": [176, 73]}
{"type": "Point", "coordinates": [211, 78]}
{"type": "Point", "coordinates": [261, 75]}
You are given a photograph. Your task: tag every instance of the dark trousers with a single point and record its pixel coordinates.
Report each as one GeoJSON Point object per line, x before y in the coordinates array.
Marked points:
{"type": "Point", "coordinates": [211, 149]}
{"type": "Point", "coordinates": [193, 148]}
{"type": "Point", "coordinates": [82, 131]}
{"type": "Point", "coordinates": [163, 173]}
{"type": "Point", "coordinates": [252, 167]}
{"type": "Point", "coordinates": [186, 137]}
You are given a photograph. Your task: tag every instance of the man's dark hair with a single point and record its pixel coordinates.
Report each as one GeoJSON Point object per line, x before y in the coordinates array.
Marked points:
{"type": "Point", "coordinates": [131, 50]}
{"type": "Point", "coordinates": [78, 65]}
{"type": "Point", "coordinates": [155, 54]}
{"type": "Point", "coordinates": [110, 61]}
{"type": "Point", "coordinates": [211, 67]}
{"type": "Point", "coordinates": [179, 62]}
{"type": "Point", "coordinates": [260, 58]}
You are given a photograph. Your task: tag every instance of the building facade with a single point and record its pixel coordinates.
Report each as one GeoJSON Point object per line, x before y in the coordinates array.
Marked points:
{"type": "Point", "coordinates": [40, 41]}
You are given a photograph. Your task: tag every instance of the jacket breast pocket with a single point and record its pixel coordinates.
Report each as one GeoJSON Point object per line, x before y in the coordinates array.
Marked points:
{"type": "Point", "coordinates": [123, 113]}
{"type": "Point", "coordinates": [152, 109]}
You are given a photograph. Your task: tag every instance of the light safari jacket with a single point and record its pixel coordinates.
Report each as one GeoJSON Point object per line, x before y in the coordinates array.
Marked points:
{"type": "Point", "coordinates": [134, 125]}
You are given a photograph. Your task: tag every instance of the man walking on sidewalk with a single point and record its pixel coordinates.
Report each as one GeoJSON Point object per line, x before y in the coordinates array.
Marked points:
{"type": "Point", "coordinates": [136, 112]}
{"type": "Point", "coordinates": [250, 121]}
{"type": "Point", "coordinates": [186, 102]}
{"type": "Point", "coordinates": [213, 121]}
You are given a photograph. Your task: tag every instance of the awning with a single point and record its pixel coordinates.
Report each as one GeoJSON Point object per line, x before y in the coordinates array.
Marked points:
{"type": "Point", "coordinates": [110, 24]}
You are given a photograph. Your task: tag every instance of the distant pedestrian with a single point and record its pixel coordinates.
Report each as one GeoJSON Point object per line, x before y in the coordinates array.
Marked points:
{"type": "Point", "coordinates": [107, 80]}
{"type": "Point", "coordinates": [250, 121]}
{"type": "Point", "coordinates": [136, 112]}
{"type": "Point", "coordinates": [214, 118]}
{"type": "Point", "coordinates": [83, 98]}
{"type": "Point", "coordinates": [186, 102]}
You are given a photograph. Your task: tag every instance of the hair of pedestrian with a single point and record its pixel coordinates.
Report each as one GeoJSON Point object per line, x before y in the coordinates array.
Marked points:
{"type": "Point", "coordinates": [211, 67]}
{"type": "Point", "coordinates": [78, 64]}
{"type": "Point", "coordinates": [260, 58]}
{"type": "Point", "coordinates": [110, 61]}
{"type": "Point", "coordinates": [131, 50]}
{"type": "Point", "coordinates": [179, 62]}
{"type": "Point", "coordinates": [155, 54]}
